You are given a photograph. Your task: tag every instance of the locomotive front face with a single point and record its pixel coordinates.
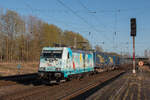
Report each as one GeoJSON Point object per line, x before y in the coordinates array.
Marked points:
{"type": "Point", "coordinates": [51, 60]}
{"type": "Point", "coordinates": [50, 67]}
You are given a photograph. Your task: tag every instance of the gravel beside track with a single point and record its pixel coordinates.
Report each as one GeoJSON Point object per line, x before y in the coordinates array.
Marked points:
{"type": "Point", "coordinates": [38, 91]}
{"type": "Point", "coordinates": [16, 79]}
{"type": "Point", "coordinates": [6, 83]}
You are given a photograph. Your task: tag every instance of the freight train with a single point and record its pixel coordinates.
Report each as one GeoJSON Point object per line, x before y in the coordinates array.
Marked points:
{"type": "Point", "coordinates": [61, 63]}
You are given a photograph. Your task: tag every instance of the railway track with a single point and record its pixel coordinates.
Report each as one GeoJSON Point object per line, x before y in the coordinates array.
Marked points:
{"type": "Point", "coordinates": [15, 79]}
{"type": "Point", "coordinates": [63, 91]}
{"type": "Point", "coordinates": [85, 92]}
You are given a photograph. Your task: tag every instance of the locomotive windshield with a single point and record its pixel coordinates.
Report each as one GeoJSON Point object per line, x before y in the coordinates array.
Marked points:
{"type": "Point", "coordinates": [52, 53]}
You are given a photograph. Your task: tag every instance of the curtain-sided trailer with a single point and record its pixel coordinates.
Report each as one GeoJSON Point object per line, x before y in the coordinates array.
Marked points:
{"type": "Point", "coordinates": [104, 61]}
{"type": "Point", "coordinates": [58, 63]}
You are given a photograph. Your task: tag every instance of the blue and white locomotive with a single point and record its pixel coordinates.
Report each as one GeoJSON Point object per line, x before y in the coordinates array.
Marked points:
{"type": "Point", "coordinates": [57, 63]}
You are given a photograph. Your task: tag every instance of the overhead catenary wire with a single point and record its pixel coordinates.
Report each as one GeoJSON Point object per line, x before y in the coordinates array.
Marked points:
{"type": "Point", "coordinates": [114, 32]}
{"type": "Point", "coordinates": [91, 11]}
{"type": "Point", "coordinates": [32, 9]}
{"type": "Point", "coordinates": [82, 18]}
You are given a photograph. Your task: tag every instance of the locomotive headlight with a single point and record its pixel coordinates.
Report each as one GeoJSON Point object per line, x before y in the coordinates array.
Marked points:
{"type": "Point", "coordinates": [58, 69]}
{"type": "Point", "coordinates": [42, 68]}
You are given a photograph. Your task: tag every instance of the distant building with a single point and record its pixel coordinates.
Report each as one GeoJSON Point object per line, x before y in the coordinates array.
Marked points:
{"type": "Point", "coordinates": [146, 53]}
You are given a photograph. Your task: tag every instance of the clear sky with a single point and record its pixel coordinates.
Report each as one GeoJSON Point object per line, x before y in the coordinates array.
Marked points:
{"type": "Point", "coordinates": [107, 21]}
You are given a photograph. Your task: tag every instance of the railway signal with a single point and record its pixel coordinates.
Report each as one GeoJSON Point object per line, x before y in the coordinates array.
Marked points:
{"type": "Point", "coordinates": [133, 27]}
{"type": "Point", "coordinates": [133, 34]}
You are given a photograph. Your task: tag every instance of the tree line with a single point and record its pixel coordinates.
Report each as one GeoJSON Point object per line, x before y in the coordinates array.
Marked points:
{"type": "Point", "coordinates": [23, 37]}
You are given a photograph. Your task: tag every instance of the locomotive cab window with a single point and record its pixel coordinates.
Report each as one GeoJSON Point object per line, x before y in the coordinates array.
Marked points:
{"type": "Point", "coordinates": [52, 54]}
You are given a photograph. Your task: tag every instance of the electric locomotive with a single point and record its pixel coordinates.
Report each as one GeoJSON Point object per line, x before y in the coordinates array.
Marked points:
{"type": "Point", "coordinates": [59, 63]}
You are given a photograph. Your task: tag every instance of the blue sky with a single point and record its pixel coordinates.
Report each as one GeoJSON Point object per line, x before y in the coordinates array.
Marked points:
{"type": "Point", "coordinates": [102, 18]}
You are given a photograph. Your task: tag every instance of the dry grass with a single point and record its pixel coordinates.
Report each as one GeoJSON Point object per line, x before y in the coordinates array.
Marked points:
{"type": "Point", "coordinates": [7, 69]}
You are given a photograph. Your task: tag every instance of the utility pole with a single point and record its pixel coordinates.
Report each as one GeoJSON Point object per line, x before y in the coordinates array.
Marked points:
{"type": "Point", "coordinates": [134, 54]}
{"type": "Point", "coordinates": [75, 42]}
{"type": "Point", "coordinates": [133, 34]}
